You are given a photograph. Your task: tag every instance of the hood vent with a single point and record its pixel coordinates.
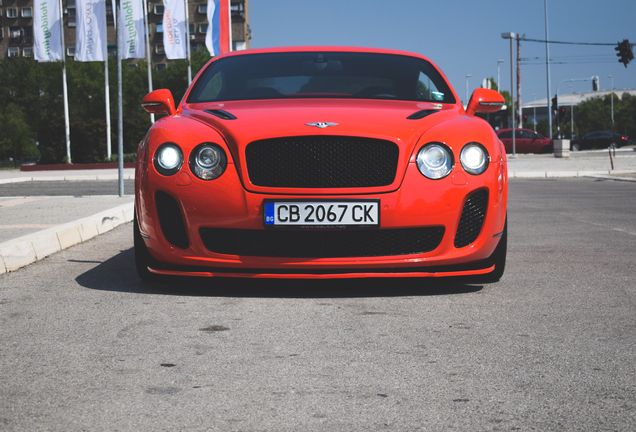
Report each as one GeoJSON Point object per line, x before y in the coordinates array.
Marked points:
{"type": "Point", "coordinates": [221, 114]}
{"type": "Point", "coordinates": [421, 114]}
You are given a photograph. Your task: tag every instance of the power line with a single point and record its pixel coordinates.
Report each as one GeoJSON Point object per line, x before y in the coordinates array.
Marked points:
{"type": "Point", "coordinates": [568, 59]}
{"type": "Point", "coordinates": [523, 38]}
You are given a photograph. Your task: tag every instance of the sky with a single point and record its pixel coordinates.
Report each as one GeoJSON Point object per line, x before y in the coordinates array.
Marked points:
{"type": "Point", "coordinates": [463, 37]}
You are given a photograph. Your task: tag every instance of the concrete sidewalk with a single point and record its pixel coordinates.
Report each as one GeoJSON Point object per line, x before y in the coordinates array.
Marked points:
{"type": "Point", "coordinates": [14, 175]}
{"type": "Point", "coordinates": [579, 164]}
{"type": "Point", "coordinates": [35, 227]}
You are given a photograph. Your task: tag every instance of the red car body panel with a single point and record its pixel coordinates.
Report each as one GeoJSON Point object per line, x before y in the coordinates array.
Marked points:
{"type": "Point", "coordinates": [233, 201]}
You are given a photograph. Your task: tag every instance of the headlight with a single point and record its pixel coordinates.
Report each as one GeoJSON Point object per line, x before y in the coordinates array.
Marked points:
{"type": "Point", "coordinates": [435, 161]}
{"type": "Point", "coordinates": [168, 159]}
{"type": "Point", "coordinates": [208, 161]}
{"type": "Point", "coordinates": [474, 158]}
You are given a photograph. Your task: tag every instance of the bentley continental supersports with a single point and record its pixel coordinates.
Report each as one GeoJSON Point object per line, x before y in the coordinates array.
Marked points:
{"type": "Point", "coordinates": [321, 162]}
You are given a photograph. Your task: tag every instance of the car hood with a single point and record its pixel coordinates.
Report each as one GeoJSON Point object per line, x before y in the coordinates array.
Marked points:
{"type": "Point", "coordinates": [247, 121]}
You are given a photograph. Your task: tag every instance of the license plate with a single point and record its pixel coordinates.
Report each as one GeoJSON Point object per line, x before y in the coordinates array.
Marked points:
{"type": "Point", "coordinates": [322, 214]}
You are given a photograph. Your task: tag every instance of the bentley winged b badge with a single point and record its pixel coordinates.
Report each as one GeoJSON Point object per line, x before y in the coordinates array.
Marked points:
{"type": "Point", "coordinates": [322, 125]}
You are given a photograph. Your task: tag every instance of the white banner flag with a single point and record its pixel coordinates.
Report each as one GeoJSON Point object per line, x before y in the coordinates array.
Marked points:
{"type": "Point", "coordinates": [47, 40]}
{"type": "Point", "coordinates": [90, 41]}
{"type": "Point", "coordinates": [174, 29]}
{"type": "Point", "coordinates": [212, 35]}
{"type": "Point", "coordinates": [132, 29]}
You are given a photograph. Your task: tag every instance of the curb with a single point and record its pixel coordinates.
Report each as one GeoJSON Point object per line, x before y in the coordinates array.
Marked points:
{"type": "Point", "coordinates": [67, 178]}
{"type": "Point", "coordinates": [607, 174]}
{"type": "Point", "coordinates": [33, 247]}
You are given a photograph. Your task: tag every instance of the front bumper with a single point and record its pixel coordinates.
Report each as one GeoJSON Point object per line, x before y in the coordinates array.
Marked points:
{"type": "Point", "coordinates": [225, 204]}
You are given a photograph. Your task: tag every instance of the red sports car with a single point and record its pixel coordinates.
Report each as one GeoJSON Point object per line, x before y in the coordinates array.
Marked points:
{"type": "Point", "coordinates": [321, 162]}
{"type": "Point", "coordinates": [526, 141]}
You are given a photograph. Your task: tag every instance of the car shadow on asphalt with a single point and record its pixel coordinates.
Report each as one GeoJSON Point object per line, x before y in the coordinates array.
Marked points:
{"type": "Point", "coordinates": [118, 274]}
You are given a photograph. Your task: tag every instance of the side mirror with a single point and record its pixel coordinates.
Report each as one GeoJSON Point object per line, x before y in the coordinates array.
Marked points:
{"type": "Point", "coordinates": [484, 101]}
{"type": "Point", "coordinates": [159, 102]}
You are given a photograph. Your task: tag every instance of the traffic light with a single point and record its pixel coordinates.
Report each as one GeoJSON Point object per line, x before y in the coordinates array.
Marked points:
{"type": "Point", "coordinates": [595, 83]}
{"type": "Point", "coordinates": [554, 104]}
{"type": "Point", "coordinates": [624, 53]}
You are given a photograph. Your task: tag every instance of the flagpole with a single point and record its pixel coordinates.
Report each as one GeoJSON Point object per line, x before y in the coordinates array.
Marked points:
{"type": "Point", "coordinates": [120, 109]}
{"type": "Point", "coordinates": [229, 20]}
{"type": "Point", "coordinates": [107, 87]}
{"type": "Point", "coordinates": [67, 127]}
{"type": "Point", "coordinates": [187, 19]}
{"type": "Point", "coordinates": [152, 116]}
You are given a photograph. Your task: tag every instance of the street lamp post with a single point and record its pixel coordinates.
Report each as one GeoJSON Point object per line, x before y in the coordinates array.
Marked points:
{"type": "Point", "coordinates": [547, 66]}
{"type": "Point", "coordinates": [534, 112]}
{"type": "Point", "coordinates": [511, 36]}
{"type": "Point", "coordinates": [612, 105]}
{"type": "Point", "coordinates": [498, 83]}
{"type": "Point", "coordinates": [571, 113]}
{"type": "Point", "coordinates": [467, 76]}
{"type": "Point", "coordinates": [557, 98]}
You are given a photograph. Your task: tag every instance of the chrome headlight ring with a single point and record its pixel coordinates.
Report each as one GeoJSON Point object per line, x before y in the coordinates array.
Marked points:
{"type": "Point", "coordinates": [168, 159]}
{"type": "Point", "coordinates": [435, 160]}
{"type": "Point", "coordinates": [474, 158]}
{"type": "Point", "coordinates": [208, 161]}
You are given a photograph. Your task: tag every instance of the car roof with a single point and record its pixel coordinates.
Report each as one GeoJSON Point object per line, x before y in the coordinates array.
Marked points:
{"type": "Point", "coordinates": [320, 48]}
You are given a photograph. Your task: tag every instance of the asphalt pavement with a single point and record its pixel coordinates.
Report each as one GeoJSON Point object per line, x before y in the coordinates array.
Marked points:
{"type": "Point", "coordinates": [38, 217]}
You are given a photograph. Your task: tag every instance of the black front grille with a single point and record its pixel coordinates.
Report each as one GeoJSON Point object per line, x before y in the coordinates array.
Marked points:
{"type": "Point", "coordinates": [171, 220]}
{"type": "Point", "coordinates": [321, 243]}
{"type": "Point", "coordinates": [322, 162]}
{"type": "Point", "coordinates": [472, 218]}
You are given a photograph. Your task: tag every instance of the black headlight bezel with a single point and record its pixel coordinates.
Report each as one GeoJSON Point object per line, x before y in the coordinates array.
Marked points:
{"type": "Point", "coordinates": [203, 173]}
{"type": "Point", "coordinates": [446, 149]}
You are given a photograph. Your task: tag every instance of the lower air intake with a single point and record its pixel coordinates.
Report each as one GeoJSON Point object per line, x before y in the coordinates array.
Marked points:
{"type": "Point", "coordinates": [171, 220]}
{"type": "Point", "coordinates": [321, 243]}
{"type": "Point", "coordinates": [472, 218]}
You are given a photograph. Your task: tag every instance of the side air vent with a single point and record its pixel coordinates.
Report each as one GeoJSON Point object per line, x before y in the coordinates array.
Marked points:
{"type": "Point", "coordinates": [421, 114]}
{"type": "Point", "coordinates": [221, 114]}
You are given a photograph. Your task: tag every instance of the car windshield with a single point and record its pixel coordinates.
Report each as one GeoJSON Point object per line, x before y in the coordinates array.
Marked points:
{"type": "Point", "coordinates": [320, 75]}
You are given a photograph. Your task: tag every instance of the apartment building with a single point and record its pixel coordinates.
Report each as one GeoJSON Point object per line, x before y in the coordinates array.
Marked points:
{"type": "Point", "coordinates": [16, 28]}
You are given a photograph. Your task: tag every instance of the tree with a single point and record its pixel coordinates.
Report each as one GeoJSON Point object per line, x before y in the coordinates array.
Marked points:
{"type": "Point", "coordinates": [16, 137]}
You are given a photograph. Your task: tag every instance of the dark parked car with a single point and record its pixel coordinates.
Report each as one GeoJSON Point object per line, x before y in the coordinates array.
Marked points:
{"type": "Point", "coordinates": [30, 160]}
{"type": "Point", "coordinates": [598, 140]}
{"type": "Point", "coordinates": [526, 141]}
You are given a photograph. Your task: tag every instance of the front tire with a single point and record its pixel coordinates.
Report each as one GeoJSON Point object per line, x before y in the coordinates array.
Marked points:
{"type": "Point", "coordinates": [499, 257]}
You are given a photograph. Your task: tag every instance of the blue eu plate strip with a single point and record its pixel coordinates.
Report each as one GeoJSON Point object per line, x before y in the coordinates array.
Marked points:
{"type": "Point", "coordinates": [269, 213]}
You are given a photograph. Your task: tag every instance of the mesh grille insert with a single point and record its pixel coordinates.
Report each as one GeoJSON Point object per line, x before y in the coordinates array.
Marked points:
{"type": "Point", "coordinates": [472, 218]}
{"type": "Point", "coordinates": [322, 162]}
{"type": "Point", "coordinates": [321, 243]}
